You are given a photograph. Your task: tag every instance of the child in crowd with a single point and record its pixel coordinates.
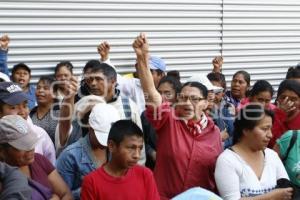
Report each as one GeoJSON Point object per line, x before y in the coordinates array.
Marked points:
{"type": "Point", "coordinates": [121, 177]}
{"type": "Point", "coordinates": [21, 74]}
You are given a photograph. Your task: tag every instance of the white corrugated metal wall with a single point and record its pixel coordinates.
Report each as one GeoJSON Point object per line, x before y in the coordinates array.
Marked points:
{"type": "Point", "coordinates": [187, 34]}
{"type": "Point", "coordinates": [261, 37]}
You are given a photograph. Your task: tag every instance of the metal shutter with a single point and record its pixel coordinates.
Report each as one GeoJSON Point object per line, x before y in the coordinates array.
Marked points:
{"type": "Point", "coordinates": [262, 37]}
{"type": "Point", "coordinates": [186, 34]}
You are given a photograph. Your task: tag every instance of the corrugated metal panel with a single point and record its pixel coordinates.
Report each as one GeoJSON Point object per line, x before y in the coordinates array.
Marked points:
{"type": "Point", "coordinates": [261, 37]}
{"type": "Point", "coordinates": [186, 34]}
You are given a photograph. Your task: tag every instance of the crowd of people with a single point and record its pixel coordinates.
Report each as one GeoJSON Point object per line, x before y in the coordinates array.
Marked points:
{"type": "Point", "coordinates": [146, 135]}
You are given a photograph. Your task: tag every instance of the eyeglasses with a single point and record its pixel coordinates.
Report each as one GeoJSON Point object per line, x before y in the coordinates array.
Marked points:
{"type": "Point", "coordinates": [193, 99]}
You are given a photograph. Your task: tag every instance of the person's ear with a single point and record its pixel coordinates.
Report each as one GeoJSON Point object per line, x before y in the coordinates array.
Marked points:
{"type": "Point", "coordinates": [111, 146]}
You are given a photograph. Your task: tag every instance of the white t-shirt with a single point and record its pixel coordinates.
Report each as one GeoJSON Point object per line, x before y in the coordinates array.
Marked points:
{"type": "Point", "coordinates": [236, 179]}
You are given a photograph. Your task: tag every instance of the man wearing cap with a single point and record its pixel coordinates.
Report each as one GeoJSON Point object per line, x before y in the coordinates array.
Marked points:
{"type": "Point", "coordinates": [89, 152]}
{"type": "Point", "coordinates": [13, 101]}
{"type": "Point", "coordinates": [131, 87]}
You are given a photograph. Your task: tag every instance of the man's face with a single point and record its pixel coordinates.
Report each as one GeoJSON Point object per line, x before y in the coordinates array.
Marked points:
{"type": "Point", "coordinates": [128, 152]}
{"type": "Point", "coordinates": [99, 85]}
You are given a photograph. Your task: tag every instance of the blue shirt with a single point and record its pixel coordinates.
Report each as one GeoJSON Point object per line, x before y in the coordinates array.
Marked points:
{"type": "Point", "coordinates": [75, 162]}
{"type": "Point", "coordinates": [3, 62]}
{"type": "Point", "coordinates": [31, 94]}
{"type": "Point", "coordinates": [224, 119]}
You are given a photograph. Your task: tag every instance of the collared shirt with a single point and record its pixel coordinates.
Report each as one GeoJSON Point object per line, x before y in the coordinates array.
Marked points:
{"type": "Point", "coordinates": [75, 162]}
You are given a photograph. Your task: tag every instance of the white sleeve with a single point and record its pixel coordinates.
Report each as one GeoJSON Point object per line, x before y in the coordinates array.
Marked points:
{"type": "Point", "coordinates": [227, 178]}
{"type": "Point", "coordinates": [57, 140]}
{"type": "Point", "coordinates": [126, 85]}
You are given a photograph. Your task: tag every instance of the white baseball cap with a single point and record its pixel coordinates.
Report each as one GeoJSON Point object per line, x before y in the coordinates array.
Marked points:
{"type": "Point", "coordinates": [101, 118]}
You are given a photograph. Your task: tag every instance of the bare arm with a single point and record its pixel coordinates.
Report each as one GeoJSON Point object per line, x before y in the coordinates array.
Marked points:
{"type": "Point", "coordinates": [277, 194]}
{"type": "Point", "coordinates": [60, 188]}
{"type": "Point", "coordinates": [141, 48]}
{"type": "Point", "coordinates": [66, 112]}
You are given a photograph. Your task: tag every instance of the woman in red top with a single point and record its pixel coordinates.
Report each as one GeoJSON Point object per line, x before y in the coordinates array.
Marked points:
{"type": "Point", "coordinates": [287, 113]}
{"type": "Point", "coordinates": [188, 141]}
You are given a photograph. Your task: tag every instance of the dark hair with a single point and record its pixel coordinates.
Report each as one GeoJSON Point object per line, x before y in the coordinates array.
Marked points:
{"type": "Point", "coordinates": [248, 118]}
{"type": "Point", "coordinates": [293, 73]}
{"type": "Point", "coordinates": [47, 79]}
{"type": "Point", "coordinates": [20, 66]}
{"type": "Point", "coordinates": [106, 69]}
{"type": "Point", "coordinates": [202, 88]}
{"type": "Point", "coordinates": [124, 128]}
{"type": "Point", "coordinates": [175, 74]}
{"type": "Point", "coordinates": [289, 84]}
{"type": "Point", "coordinates": [176, 85]}
{"type": "Point", "coordinates": [66, 64]}
{"type": "Point", "coordinates": [261, 86]}
{"type": "Point", "coordinates": [217, 77]}
{"type": "Point", "coordinates": [158, 71]}
{"type": "Point", "coordinates": [89, 65]}
{"type": "Point", "coordinates": [245, 74]}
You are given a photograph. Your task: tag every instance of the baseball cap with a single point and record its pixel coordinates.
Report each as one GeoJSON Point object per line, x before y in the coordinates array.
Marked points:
{"type": "Point", "coordinates": [157, 63]}
{"type": "Point", "coordinates": [101, 118]}
{"type": "Point", "coordinates": [16, 132]}
{"type": "Point", "coordinates": [4, 77]}
{"type": "Point", "coordinates": [12, 94]}
{"type": "Point", "coordinates": [202, 78]}
{"type": "Point", "coordinates": [20, 66]}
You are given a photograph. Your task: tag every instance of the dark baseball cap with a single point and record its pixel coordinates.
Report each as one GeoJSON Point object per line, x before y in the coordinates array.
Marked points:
{"type": "Point", "coordinates": [12, 94]}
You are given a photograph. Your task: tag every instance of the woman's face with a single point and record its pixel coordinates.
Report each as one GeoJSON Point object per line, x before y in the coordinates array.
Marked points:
{"type": "Point", "coordinates": [239, 86]}
{"type": "Point", "coordinates": [167, 92]}
{"type": "Point", "coordinates": [43, 93]}
{"type": "Point", "coordinates": [191, 103]}
{"type": "Point", "coordinates": [264, 98]}
{"type": "Point", "coordinates": [290, 96]}
{"type": "Point", "coordinates": [18, 158]}
{"type": "Point", "coordinates": [63, 75]}
{"type": "Point", "coordinates": [260, 136]}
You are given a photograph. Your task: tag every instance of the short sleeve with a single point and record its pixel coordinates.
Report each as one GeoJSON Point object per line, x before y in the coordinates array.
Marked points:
{"type": "Point", "coordinates": [44, 163]}
{"type": "Point", "coordinates": [227, 177]}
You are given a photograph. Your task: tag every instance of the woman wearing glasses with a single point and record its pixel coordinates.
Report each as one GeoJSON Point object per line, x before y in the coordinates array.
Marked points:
{"type": "Point", "coordinates": [188, 142]}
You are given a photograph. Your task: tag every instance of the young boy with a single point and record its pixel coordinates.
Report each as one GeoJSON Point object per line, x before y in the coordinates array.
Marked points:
{"type": "Point", "coordinates": [121, 178]}
{"type": "Point", "coordinates": [21, 74]}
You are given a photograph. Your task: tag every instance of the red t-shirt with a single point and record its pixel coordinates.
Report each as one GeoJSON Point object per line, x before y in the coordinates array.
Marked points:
{"type": "Point", "coordinates": [183, 160]}
{"type": "Point", "coordinates": [137, 184]}
{"type": "Point", "coordinates": [281, 125]}
{"type": "Point", "coordinates": [40, 169]}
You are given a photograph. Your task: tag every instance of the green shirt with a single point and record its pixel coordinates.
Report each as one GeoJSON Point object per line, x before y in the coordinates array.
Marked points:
{"type": "Point", "coordinates": [292, 163]}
